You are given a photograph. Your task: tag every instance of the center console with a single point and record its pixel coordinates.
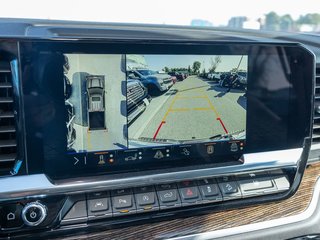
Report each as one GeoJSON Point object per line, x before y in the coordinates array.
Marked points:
{"type": "Point", "coordinates": [115, 131]}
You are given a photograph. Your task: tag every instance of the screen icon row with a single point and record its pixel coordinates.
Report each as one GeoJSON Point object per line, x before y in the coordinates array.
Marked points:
{"type": "Point", "coordinates": [173, 152]}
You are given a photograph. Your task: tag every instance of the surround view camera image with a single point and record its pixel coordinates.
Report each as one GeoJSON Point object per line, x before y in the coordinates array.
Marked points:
{"type": "Point", "coordinates": [130, 101]}
{"type": "Point", "coordinates": [187, 98]}
{"type": "Point", "coordinates": [95, 100]}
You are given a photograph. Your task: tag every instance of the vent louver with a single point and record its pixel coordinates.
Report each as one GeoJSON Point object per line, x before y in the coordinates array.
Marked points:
{"type": "Point", "coordinates": [316, 119]}
{"type": "Point", "coordinates": [8, 143]}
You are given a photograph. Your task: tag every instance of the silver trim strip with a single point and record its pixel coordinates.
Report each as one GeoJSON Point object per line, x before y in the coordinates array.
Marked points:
{"type": "Point", "coordinates": [245, 229]}
{"type": "Point", "coordinates": [38, 184]}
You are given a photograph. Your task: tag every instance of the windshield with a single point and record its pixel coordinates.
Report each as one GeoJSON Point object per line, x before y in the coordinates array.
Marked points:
{"type": "Point", "coordinates": [275, 15]}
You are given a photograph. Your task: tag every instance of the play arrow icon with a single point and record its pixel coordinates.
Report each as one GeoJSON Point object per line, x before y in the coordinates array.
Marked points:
{"type": "Point", "coordinates": [76, 161]}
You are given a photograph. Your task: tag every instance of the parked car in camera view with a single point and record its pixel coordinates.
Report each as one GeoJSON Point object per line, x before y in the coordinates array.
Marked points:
{"type": "Point", "coordinates": [180, 76]}
{"type": "Point", "coordinates": [137, 99]}
{"type": "Point", "coordinates": [234, 80]}
{"type": "Point", "coordinates": [214, 76]}
{"type": "Point", "coordinates": [156, 83]}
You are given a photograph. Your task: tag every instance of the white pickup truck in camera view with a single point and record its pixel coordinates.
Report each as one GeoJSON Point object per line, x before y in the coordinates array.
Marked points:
{"type": "Point", "coordinates": [96, 110]}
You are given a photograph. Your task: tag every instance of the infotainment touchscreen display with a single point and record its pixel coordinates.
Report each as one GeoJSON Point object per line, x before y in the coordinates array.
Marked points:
{"type": "Point", "coordinates": [125, 108]}
{"type": "Point", "coordinates": [160, 100]}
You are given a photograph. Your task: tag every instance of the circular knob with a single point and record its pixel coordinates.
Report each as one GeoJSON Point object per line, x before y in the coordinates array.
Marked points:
{"type": "Point", "coordinates": [34, 214]}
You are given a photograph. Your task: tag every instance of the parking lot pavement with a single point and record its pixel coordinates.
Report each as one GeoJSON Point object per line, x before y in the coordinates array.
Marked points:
{"type": "Point", "coordinates": [192, 109]}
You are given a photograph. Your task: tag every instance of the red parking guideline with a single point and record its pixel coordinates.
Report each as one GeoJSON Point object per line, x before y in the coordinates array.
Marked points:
{"type": "Point", "coordinates": [222, 124]}
{"type": "Point", "coordinates": [155, 135]}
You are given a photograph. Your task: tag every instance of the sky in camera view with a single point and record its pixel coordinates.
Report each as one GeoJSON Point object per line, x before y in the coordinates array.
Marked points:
{"type": "Point", "coordinates": [160, 12]}
{"type": "Point", "coordinates": [158, 62]}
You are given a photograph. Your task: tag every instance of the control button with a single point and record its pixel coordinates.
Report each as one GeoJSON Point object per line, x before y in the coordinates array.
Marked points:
{"type": "Point", "coordinates": [256, 186]}
{"type": "Point", "coordinates": [10, 216]}
{"type": "Point", "coordinates": [98, 205]}
{"type": "Point", "coordinates": [230, 190]}
{"type": "Point", "coordinates": [78, 210]}
{"type": "Point", "coordinates": [229, 187]}
{"type": "Point", "coordinates": [184, 151]}
{"type": "Point", "coordinates": [34, 214]}
{"type": "Point", "coordinates": [166, 186]}
{"type": "Point", "coordinates": [187, 184]}
{"type": "Point", "coordinates": [210, 192]}
{"type": "Point", "coordinates": [281, 182]}
{"type": "Point", "coordinates": [144, 189]}
{"type": "Point", "coordinates": [119, 192]}
{"type": "Point", "coordinates": [280, 179]}
{"type": "Point", "coordinates": [146, 201]}
{"type": "Point", "coordinates": [189, 195]}
{"type": "Point", "coordinates": [169, 198]}
{"type": "Point", "coordinates": [131, 155]}
{"type": "Point", "coordinates": [143, 199]}
{"type": "Point", "coordinates": [206, 181]}
{"type": "Point", "coordinates": [101, 159]}
{"type": "Point", "coordinates": [210, 149]}
{"type": "Point", "coordinates": [124, 201]}
{"type": "Point", "coordinates": [234, 146]}
{"type": "Point", "coordinates": [123, 204]}
{"type": "Point", "coordinates": [158, 153]}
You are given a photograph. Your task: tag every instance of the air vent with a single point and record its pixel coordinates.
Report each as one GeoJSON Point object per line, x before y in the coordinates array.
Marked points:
{"type": "Point", "coordinates": [8, 143]}
{"type": "Point", "coordinates": [316, 120]}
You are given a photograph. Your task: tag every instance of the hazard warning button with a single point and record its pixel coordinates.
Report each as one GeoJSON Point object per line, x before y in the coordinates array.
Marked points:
{"type": "Point", "coordinates": [190, 195]}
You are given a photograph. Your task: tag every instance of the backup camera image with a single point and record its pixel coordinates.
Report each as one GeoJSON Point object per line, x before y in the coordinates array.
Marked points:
{"type": "Point", "coordinates": [186, 98]}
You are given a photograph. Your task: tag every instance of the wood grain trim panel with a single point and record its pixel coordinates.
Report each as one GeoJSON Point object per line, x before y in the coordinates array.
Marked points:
{"type": "Point", "coordinates": [216, 221]}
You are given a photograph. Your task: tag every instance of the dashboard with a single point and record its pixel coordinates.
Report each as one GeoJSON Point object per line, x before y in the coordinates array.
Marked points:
{"type": "Point", "coordinates": [114, 129]}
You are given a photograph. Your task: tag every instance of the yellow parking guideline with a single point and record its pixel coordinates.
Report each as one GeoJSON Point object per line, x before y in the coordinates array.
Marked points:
{"type": "Point", "coordinates": [173, 100]}
{"type": "Point", "coordinates": [212, 107]}
{"type": "Point", "coordinates": [165, 116]}
{"type": "Point", "coordinates": [170, 107]}
{"type": "Point", "coordinates": [176, 97]}
{"type": "Point", "coordinates": [179, 109]}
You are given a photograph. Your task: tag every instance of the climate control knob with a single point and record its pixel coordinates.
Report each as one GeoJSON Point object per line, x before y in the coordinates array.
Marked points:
{"type": "Point", "coordinates": [34, 213]}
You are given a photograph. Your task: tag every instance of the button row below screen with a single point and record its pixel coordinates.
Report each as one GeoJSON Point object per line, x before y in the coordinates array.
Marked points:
{"type": "Point", "coordinates": [164, 196]}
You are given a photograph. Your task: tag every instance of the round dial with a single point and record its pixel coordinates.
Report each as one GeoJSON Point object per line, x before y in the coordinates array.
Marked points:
{"type": "Point", "coordinates": [34, 213]}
